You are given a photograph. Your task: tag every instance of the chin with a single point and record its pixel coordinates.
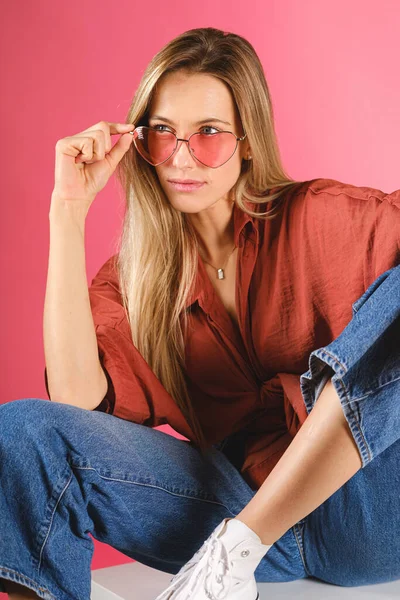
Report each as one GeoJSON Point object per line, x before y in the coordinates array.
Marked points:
{"type": "Point", "coordinates": [188, 204]}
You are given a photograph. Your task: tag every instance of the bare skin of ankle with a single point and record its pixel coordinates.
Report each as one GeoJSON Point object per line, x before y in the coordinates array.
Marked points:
{"type": "Point", "coordinates": [16, 591]}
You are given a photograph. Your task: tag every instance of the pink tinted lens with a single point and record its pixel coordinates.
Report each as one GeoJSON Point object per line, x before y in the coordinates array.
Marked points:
{"type": "Point", "coordinates": [211, 149]}
{"type": "Point", "coordinates": [154, 146]}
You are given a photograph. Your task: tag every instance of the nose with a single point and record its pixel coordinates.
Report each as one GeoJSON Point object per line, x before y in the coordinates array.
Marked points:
{"type": "Point", "coordinates": [182, 157]}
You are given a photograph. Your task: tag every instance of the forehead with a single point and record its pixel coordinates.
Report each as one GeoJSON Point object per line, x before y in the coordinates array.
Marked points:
{"type": "Point", "coordinates": [189, 98]}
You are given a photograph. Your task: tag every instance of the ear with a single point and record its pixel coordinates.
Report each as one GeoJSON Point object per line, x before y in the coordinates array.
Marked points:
{"type": "Point", "coordinates": [246, 151]}
{"type": "Point", "coordinates": [248, 155]}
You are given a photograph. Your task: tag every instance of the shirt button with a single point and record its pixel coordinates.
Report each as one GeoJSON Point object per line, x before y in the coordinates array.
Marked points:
{"type": "Point", "coordinates": [245, 553]}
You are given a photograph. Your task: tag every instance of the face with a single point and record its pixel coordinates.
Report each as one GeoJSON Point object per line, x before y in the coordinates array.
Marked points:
{"type": "Point", "coordinates": [184, 100]}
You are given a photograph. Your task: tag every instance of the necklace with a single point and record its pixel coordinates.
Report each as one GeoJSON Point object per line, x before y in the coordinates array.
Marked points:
{"type": "Point", "coordinates": [220, 272]}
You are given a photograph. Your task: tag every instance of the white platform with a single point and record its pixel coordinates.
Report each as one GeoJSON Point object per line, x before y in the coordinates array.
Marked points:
{"type": "Point", "coordinates": [135, 581]}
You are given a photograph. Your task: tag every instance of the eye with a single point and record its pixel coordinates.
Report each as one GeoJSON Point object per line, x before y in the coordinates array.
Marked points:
{"type": "Point", "coordinates": [210, 127]}
{"type": "Point", "coordinates": [158, 125]}
{"type": "Point", "coordinates": [161, 125]}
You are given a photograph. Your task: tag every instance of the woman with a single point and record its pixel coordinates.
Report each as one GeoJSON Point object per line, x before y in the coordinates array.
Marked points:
{"type": "Point", "coordinates": [221, 295]}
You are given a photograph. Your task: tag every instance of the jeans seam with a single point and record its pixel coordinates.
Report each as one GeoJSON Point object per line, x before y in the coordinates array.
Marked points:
{"type": "Point", "coordinates": [51, 520]}
{"type": "Point", "coordinates": [298, 529]}
{"type": "Point", "coordinates": [374, 390]}
{"type": "Point", "coordinates": [180, 494]}
{"type": "Point", "coordinates": [23, 581]}
{"type": "Point", "coordinates": [333, 357]}
{"type": "Point", "coordinates": [351, 417]}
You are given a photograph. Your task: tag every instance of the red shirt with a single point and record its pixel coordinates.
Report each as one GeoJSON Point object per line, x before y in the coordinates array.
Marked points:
{"type": "Point", "coordinates": [297, 278]}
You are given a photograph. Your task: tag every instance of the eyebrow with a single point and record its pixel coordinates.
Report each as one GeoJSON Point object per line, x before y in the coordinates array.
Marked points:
{"type": "Point", "coordinates": [214, 120]}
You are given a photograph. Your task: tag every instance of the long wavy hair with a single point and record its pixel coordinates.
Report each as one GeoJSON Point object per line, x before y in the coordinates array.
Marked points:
{"type": "Point", "coordinates": [158, 248]}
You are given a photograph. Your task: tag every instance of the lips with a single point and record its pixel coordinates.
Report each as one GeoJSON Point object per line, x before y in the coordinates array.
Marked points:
{"type": "Point", "coordinates": [186, 187]}
{"type": "Point", "coordinates": [185, 181]}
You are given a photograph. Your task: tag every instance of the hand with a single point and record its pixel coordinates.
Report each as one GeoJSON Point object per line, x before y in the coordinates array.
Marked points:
{"type": "Point", "coordinates": [85, 161]}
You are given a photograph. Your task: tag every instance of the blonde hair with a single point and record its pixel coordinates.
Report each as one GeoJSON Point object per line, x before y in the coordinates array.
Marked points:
{"type": "Point", "coordinates": [157, 259]}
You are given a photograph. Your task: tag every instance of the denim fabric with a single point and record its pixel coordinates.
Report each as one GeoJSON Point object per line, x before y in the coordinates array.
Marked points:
{"type": "Point", "coordinates": [353, 538]}
{"type": "Point", "coordinates": [364, 363]}
{"type": "Point", "coordinates": [66, 472]}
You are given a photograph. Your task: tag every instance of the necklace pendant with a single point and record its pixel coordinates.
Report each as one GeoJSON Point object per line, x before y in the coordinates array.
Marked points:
{"type": "Point", "coordinates": [220, 274]}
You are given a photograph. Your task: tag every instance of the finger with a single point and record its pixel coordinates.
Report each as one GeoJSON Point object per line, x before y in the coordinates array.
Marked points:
{"type": "Point", "coordinates": [121, 127]}
{"type": "Point", "coordinates": [101, 145]}
{"type": "Point", "coordinates": [110, 127]}
{"type": "Point", "coordinates": [118, 150]}
{"type": "Point", "coordinates": [88, 148]}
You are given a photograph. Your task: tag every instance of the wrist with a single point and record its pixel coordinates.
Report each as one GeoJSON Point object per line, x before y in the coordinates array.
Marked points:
{"type": "Point", "coordinates": [63, 211]}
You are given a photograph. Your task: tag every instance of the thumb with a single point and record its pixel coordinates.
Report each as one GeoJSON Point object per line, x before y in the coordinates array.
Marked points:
{"type": "Point", "coordinates": [119, 149]}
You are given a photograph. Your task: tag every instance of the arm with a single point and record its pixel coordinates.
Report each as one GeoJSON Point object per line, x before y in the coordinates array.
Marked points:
{"type": "Point", "coordinates": [319, 460]}
{"type": "Point", "coordinates": [73, 369]}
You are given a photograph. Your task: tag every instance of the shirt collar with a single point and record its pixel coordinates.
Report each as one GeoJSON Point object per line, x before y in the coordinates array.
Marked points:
{"type": "Point", "coordinates": [240, 221]}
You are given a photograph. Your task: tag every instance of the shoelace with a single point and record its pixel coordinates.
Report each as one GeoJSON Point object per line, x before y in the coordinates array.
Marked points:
{"type": "Point", "coordinates": [211, 569]}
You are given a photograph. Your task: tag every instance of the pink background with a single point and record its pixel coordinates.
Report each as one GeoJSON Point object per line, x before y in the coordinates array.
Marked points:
{"type": "Point", "coordinates": [332, 69]}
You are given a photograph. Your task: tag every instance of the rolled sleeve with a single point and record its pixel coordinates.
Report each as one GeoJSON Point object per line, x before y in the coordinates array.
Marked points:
{"type": "Point", "coordinates": [134, 392]}
{"type": "Point", "coordinates": [126, 372]}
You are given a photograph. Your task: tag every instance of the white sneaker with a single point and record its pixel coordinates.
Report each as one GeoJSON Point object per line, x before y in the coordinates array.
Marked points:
{"type": "Point", "coordinates": [222, 568]}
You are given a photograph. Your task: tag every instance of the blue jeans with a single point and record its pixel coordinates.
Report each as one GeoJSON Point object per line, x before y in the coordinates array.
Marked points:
{"type": "Point", "coordinates": [67, 472]}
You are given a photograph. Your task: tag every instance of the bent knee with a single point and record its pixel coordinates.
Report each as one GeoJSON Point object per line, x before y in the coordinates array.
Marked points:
{"type": "Point", "coordinates": [20, 416]}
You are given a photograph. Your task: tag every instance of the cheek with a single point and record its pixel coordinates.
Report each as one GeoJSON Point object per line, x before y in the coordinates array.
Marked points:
{"type": "Point", "coordinates": [160, 172]}
{"type": "Point", "coordinates": [225, 177]}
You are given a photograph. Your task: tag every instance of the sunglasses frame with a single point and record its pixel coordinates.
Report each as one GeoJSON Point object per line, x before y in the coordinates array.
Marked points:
{"type": "Point", "coordinates": [135, 135]}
